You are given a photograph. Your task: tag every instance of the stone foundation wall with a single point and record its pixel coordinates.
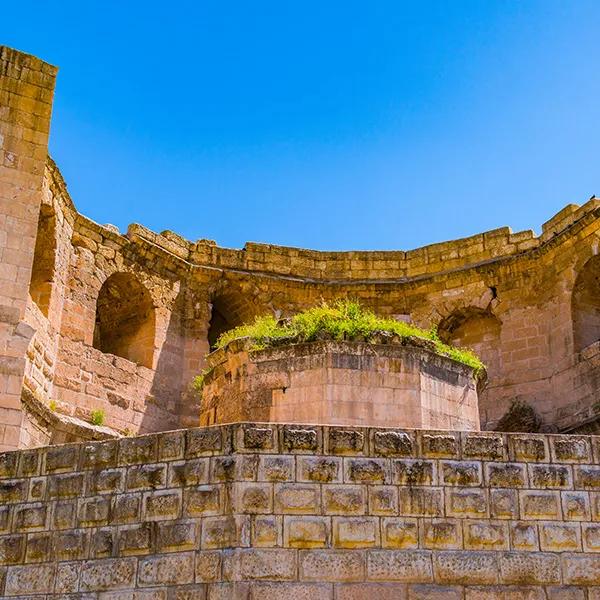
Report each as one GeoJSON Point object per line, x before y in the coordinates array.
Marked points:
{"type": "Point", "coordinates": [297, 511]}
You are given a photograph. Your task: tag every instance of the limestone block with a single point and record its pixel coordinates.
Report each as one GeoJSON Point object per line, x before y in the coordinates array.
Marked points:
{"type": "Point", "coordinates": [297, 498]}
{"type": "Point", "coordinates": [331, 565]}
{"type": "Point", "coordinates": [166, 569]}
{"type": "Point", "coordinates": [461, 473]}
{"type": "Point", "coordinates": [107, 574]}
{"type": "Point", "coordinates": [399, 533]}
{"type": "Point", "coordinates": [399, 565]}
{"type": "Point", "coordinates": [320, 469]}
{"type": "Point", "coordinates": [466, 568]}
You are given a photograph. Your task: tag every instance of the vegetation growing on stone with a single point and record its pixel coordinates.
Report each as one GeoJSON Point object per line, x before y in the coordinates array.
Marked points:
{"type": "Point", "coordinates": [97, 417]}
{"type": "Point", "coordinates": [343, 320]}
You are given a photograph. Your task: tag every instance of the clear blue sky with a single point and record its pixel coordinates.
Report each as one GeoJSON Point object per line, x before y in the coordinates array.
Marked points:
{"type": "Point", "coordinates": [327, 124]}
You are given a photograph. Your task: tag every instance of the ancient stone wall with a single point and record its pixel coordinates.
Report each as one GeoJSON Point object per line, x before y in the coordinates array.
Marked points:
{"type": "Point", "coordinates": [528, 304]}
{"type": "Point", "coordinates": [296, 511]}
{"type": "Point", "coordinates": [340, 383]}
{"type": "Point", "coordinates": [26, 90]}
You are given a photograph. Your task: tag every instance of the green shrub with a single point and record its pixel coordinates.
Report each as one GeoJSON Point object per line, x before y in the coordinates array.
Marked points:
{"type": "Point", "coordinates": [52, 405]}
{"type": "Point", "coordinates": [97, 417]}
{"type": "Point", "coordinates": [344, 320]}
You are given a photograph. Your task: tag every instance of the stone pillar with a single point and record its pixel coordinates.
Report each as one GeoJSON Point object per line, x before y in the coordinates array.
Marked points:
{"type": "Point", "coordinates": [26, 91]}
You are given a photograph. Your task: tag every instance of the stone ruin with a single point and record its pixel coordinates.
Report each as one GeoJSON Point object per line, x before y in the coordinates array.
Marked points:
{"type": "Point", "coordinates": [348, 489]}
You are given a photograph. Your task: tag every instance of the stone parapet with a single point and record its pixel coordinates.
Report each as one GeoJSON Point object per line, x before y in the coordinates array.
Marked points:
{"type": "Point", "coordinates": [303, 512]}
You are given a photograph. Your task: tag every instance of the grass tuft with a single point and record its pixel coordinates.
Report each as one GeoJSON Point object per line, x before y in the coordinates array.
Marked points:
{"type": "Point", "coordinates": [343, 320]}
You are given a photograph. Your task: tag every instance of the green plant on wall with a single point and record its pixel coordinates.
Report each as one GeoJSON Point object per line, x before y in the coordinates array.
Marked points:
{"type": "Point", "coordinates": [97, 417]}
{"type": "Point", "coordinates": [343, 320]}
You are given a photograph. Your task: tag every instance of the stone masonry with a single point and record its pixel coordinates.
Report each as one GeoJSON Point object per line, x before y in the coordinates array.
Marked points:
{"type": "Point", "coordinates": [253, 511]}
{"type": "Point", "coordinates": [340, 383]}
{"type": "Point", "coordinates": [96, 320]}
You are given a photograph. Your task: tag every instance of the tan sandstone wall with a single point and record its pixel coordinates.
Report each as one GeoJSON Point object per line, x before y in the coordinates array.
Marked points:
{"type": "Point", "coordinates": [26, 89]}
{"type": "Point", "coordinates": [296, 511]}
{"type": "Point", "coordinates": [340, 383]}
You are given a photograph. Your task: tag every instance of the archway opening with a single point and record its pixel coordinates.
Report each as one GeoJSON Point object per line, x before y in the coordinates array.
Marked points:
{"type": "Point", "coordinates": [229, 309]}
{"type": "Point", "coordinates": [585, 305]}
{"type": "Point", "coordinates": [42, 271]}
{"type": "Point", "coordinates": [125, 320]}
{"type": "Point", "coordinates": [477, 329]}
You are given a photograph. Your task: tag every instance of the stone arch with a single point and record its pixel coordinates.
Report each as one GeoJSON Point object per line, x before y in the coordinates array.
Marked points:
{"type": "Point", "coordinates": [585, 305]}
{"type": "Point", "coordinates": [475, 328]}
{"type": "Point", "coordinates": [125, 319]}
{"type": "Point", "coordinates": [44, 258]}
{"type": "Point", "coordinates": [230, 307]}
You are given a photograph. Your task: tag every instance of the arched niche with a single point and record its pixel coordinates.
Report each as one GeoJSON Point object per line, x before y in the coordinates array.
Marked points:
{"type": "Point", "coordinates": [44, 259]}
{"type": "Point", "coordinates": [585, 305]}
{"type": "Point", "coordinates": [125, 319]}
{"type": "Point", "coordinates": [477, 329]}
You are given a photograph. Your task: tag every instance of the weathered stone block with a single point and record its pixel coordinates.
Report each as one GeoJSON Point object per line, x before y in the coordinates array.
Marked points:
{"type": "Point", "coordinates": [439, 445]}
{"type": "Point", "coordinates": [202, 500]}
{"type": "Point", "coordinates": [146, 477]}
{"type": "Point", "coordinates": [253, 498]}
{"type": "Point", "coordinates": [69, 485]}
{"type": "Point", "coordinates": [203, 442]}
{"type": "Point", "coordinates": [102, 543]}
{"type": "Point", "coordinates": [190, 472]}
{"type": "Point", "coordinates": [414, 472]}
{"type": "Point", "coordinates": [177, 536]}
{"type": "Point", "coordinates": [12, 549]}
{"type": "Point", "coordinates": [126, 508]}
{"type": "Point", "coordinates": [504, 504]}
{"type": "Point", "coordinates": [355, 532]}
{"type": "Point", "coordinates": [344, 500]}
{"type": "Point", "coordinates": [296, 498]}
{"type": "Point", "coordinates": [276, 468]}
{"type": "Point", "coordinates": [466, 502]}
{"type": "Point", "coordinates": [60, 459]}
{"type": "Point", "coordinates": [300, 439]}
{"type": "Point", "coordinates": [575, 449]}
{"type": "Point", "coordinates": [166, 569]}
{"type": "Point", "coordinates": [225, 532]}
{"type": "Point", "coordinates": [99, 455]}
{"type": "Point", "coordinates": [524, 536]}
{"type": "Point", "coordinates": [71, 544]}
{"type": "Point", "coordinates": [34, 579]}
{"type": "Point", "coordinates": [345, 441]}
{"type": "Point", "coordinates": [260, 563]}
{"type": "Point", "coordinates": [8, 464]}
{"type": "Point", "coordinates": [366, 470]}
{"type": "Point", "coordinates": [135, 539]}
{"type": "Point", "coordinates": [162, 505]}
{"type": "Point", "coordinates": [486, 535]}
{"type": "Point", "coordinates": [506, 475]}
{"type": "Point", "coordinates": [466, 568]}
{"type": "Point", "coordinates": [110, 481]}
{"type": "Point", "coordinates": [267, 531]}
{"type": "Point", "coordinates": [483, 446]}
{"type": "Point", "coordinates": [256, 438]}
{"type": "Point", "coordinates": [30, 517]}
{"type": "Point", "coordinates": [94, 511]}
{"type": "Point", "coordinates": [143, 449]}
{"type": "Point", "coordinates": [560, 537]}
{"type": "Point", "coordinates": [383, 500]}
{"type": "Point", "coordinates": [420, 501]}
{"type": "Point", "coordinates": [331, 565]}
{"type": "Point", "coordinates": [399, 565]}
{"type": "Point", "coordinates": [171, 445]}
{"type": "Point", "coordinates": [527, 568]}
{"type": "Point", "coordinates": [208, 566]}
{"type": "Point", "coordinates": [579, 569]}
{"type": "Point", "coordinates": [14, 490]}
{"type": "Point", "coordinates": [39, 547]}
{"type": "Point", "coordinates": [587, 477]}
{"type": "Point", "coordinates": [381, 591]}
{"type": "Point", "coordinates": [550, 476]}
{"type": "Point", "coordinates": [441, 533]}
{"type": "Point", "coordinates": [320, 469]}
{"type": "Point", "coordinates": [399, 533]}
{"type": "Point", "coordinates": [528, 448]}
{"type": "Point", "coordinates": [539, 505]}
{"type": "Point", "coordinates": [575, 506]}
{"type": "Point", "coordinates": [306, 532]}
{"type": "Point", "coordinates": [461, 473]}
{"type": "Point", "coordinates": [67, 577]}
{"type": "Point", "coordinates": [392, 443]}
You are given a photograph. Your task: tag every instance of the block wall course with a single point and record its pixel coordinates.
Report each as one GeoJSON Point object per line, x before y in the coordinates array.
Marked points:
{"type": "Point", "coordinates": [253, 513]}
